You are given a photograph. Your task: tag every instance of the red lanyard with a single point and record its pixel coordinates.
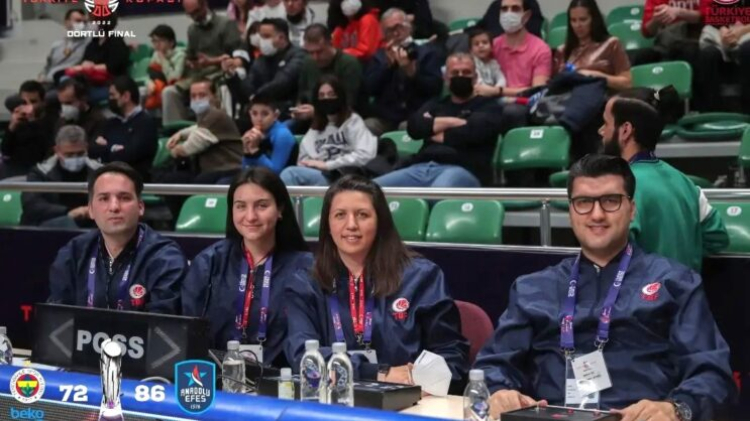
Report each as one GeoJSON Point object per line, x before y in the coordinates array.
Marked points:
{"type": "Point", "coordinates": [358, 312]}
{"type": "Point", "coordinates": [249, 290]}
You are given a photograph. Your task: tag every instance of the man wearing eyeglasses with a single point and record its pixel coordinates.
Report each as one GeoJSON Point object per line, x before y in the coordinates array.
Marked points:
{"type": "Point", "coordinates": [612, 329]}
{"type": "Point", "coordinates": [673, 217]}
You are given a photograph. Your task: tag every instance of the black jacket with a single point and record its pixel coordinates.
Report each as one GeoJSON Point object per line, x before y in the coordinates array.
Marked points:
{"type": "Point", "coordinates": [113, 52]}
{"type": "Point", "coordinates": [138, 134]}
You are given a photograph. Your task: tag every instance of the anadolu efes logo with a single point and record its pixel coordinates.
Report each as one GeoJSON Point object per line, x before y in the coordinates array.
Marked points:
{"type": "Point", "coordinates": [195, 385]}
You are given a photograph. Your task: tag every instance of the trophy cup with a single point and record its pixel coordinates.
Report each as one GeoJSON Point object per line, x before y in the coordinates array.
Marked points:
{"type": "Point", "coordinates": [110, 363]}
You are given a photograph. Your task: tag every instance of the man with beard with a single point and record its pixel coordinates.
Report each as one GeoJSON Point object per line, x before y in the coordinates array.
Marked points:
{"type": "Point", "coordinates": [673, 217]}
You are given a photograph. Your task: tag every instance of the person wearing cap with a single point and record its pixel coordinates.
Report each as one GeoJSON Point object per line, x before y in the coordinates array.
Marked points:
{"type": "Point", "coordinates": [124, 264]}
{"type": "Point", "coordinates": [614, 328]}
{"type": "Point", "coordinates": [27, 140]}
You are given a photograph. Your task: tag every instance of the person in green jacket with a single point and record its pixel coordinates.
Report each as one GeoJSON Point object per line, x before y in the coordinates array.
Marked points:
{"type": "Point", "coordinates": [673, 217]}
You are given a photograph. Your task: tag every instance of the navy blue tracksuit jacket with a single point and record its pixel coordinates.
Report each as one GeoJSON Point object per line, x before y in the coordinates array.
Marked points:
{"type": "Point", "coordinates": [432, 322]}
{"type": "Point", "coordinates": [663, 341]}
{"type": "Point", "coordinates": [212, 284]}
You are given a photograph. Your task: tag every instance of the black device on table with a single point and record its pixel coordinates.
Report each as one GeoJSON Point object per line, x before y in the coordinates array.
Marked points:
{"type": "Point", "coordinates": [69, 337]}
{"type": "Point", "coordinates": [536, 413]}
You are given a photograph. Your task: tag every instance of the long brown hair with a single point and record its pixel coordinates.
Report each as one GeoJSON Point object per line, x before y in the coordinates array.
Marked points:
{"type": "Point", "coordinates": [320, 119]}
{"type": "Point", "coordinates": [388, 256]}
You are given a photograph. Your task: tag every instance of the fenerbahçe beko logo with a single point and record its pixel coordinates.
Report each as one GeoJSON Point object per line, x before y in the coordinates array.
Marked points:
{"type": "Point", "coordinates": [195, 385]}
{"type": "Point", "coordinates": [101, 8]}
{"type": "Point", "coordinates": [27, 385]}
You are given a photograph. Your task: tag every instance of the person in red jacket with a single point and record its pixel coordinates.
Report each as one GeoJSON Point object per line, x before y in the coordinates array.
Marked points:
{"type": "Point", "coordinates": [659, 14]}
{"type": "Point", "coordinates": [356, 27]}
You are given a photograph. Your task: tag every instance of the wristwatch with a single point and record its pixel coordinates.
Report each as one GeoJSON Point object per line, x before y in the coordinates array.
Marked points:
{"type": "Point", "coordinates": [683, 411]}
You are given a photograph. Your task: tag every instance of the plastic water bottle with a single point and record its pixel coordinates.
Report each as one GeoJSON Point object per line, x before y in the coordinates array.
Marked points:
{"type": "Point", "coordinates": [286, 385]}
{"type": "Point", "coordinates": [233, 369]}
{"type": "Point", "coordinates": [340, 377]}
{"type": "Point", "coordinates": [6, 349]}
{"type": "Point", "coordinates": [312, 374]}
{"type": "Point", "coordinates": [476, 398]}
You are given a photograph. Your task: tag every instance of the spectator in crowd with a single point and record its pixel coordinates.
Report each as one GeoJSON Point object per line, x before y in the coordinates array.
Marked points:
{"type": "Point", "coordinates": [269, 143]}
{"type": "Point", "coordinates": [240, 64]}
{"type": "Point", "coordinates": [552, 319]}
{"type": "Point", "coordinates": [360, 250]}
{"type": "Point", "coordinates": [490, 77]}
{"type": "Point", "coordinates": [401, 77]}
{"type": "Point", "coordinates": [338, 142]}
{"type": "Point", "coordinates": [28, 138]}
{"type": "Point", "coordinates": [132, 267]}
{"type": "Point", "coordinates": [675, 27]}
{"type": "Point", "coordinates": [214, 140]}
{"type": "Point", "coordinates": [324, 60]}
{"type": "Point", "coordinates": [32, 93]}
{"type": "Point", "coordinates": [299, 16]}
{"type": "Point", "coordinates": [270, 9]}
{"type": "Point", "coordinates": [166, 67]}
{"type": "Point", "coordinates": [673, 217]}
{"type": "Point", "coordinates": [238, 11]}
{"type": "Point", "coordinates": [69, 164]}
{"type": "Point", "coordinates": [211, 39]}
{"type": "Point", "coordinates": [276, 72]}
{"type": "Point", "coordinates": [418, 13]}
{"type": "Point", "coordinates": [526, 59]}
{"type": "Point", "coordinates": [68, 51]}
{"type": "Point", "coordinates": [590, 50]}
{"type": "Point", "coordinates": [459, 131]}
{"type": "Point", "coordinates": [105, 59]}
{"type": "Point", "coordinates": [491, 20]}
{"type": "Point", "coordinates": [75, 109]}
{"type": "Point", "coordinates": [129, 136]}
{"type": "Point", "coordinates": [263, 243]}
{"type": "Point", "coordinates": [357, 31]}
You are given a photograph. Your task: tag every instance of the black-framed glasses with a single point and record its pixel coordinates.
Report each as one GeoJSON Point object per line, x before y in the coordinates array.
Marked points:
{"type": "Point", "coordinates": [609, 203]}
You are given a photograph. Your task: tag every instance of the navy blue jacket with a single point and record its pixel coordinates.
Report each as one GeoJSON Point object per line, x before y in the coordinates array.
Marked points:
{"type": "Point", "coordinates": [663, 345]}
{"type": "Point", "coordinates": [138, 134]}
{"type": "Point", "coordinates": [212, 285]}
{"type": "Point", "coordinates": [158, 264]}
{"type": "Point", "coordinates": [432, 322]}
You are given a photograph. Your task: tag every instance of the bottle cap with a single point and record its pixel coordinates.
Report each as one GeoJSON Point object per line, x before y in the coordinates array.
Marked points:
{"type": "Point", "coordinates": [286, 373]}
{"type": "Point", "coordinates": [339, 347]}
{"type": "Point", "coordinates": [311, 345]}
{"type": "Point", "coordinates": [233, 345]}
{"type": "Point", "coordinates": [476, 375]}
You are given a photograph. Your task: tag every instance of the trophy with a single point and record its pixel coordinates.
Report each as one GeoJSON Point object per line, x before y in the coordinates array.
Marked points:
{"type": "Point", "coordinates": [110, 363]}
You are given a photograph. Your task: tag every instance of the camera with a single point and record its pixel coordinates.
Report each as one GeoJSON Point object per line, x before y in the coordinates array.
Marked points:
{"type": "Point", "coordinates": [411, 51]}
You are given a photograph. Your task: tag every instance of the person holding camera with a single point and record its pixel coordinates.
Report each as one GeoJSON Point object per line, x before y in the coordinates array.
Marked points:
{"type": "Point", "coordinates": [402, 76]}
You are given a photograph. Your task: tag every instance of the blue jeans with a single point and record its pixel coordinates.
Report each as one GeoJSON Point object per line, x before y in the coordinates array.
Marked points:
{"type": "Point", "coordinates": [303, 176]}
{"type": "Point", "coordinates": [429, 174]}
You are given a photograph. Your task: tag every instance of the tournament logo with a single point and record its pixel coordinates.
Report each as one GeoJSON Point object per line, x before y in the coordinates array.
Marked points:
{"type": "Point", "coordinates": [137, 295]}
{"type": "Point", "coordinates": [651, 291]}
{"type": "Point", "coordinates": [195, 385]}
{"type": "Point", "coordinates": [400, 307]}
{"type": "Point", "coordinates": [101, 8]}
{"type": "Point", "coordinates": [27, 385]}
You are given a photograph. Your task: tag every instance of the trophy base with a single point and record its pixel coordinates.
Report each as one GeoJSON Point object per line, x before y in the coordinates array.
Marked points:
{"type": "Point", "coordinates": [114, 414]}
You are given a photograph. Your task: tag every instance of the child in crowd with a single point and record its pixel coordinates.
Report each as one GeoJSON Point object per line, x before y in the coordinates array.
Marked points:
{"type": "Point", "coordinates": [490, 77]}
{"type": "Point", "coordinates": [269, 143]}
{"type": "Point", "coordinates": [166, 66]}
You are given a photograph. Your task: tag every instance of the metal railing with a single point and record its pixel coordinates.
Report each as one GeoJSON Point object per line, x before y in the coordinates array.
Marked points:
{"type": "Point", "coordinates": [544, 195]}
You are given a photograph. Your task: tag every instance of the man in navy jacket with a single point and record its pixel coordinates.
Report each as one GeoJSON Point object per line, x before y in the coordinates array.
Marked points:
{"type": "Point", "coordinates": [650, 318]}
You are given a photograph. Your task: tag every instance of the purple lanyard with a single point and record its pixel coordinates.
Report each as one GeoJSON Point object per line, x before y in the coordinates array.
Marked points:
{"type": "Point", "coordinates": [122, 293]}
{"type": "Point", "coordinates": [643, 156]}
{"type": "Point", "coordinates": [265, 296]}
{"type": "Point", "coordinates": [333, 302]}
{"type": "Point", "coordinates": [567, 341]}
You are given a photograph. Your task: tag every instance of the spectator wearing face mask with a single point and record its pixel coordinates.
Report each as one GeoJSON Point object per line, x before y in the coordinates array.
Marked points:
{"type": "Point", "coordinates": [272, 9]}
{"type": "Point", "coordinates": [357, 31]}
{"type": "Point", "coordinates": [68, 51]}
{"type": "Point", "coordinates": [75, 109]}
{"type": "Point", "coordinates": [69, 164]}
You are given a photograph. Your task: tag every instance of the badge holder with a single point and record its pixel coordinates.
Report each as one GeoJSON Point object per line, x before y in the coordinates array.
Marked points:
{"type": "Point", "coordinates": [585, 377]}
{"type": "Point", "coordinates": [370, 354]}
{"type": "Point", "coordinates": [579, 395]}
{"type": "Point", "coordinates": [252, 353]}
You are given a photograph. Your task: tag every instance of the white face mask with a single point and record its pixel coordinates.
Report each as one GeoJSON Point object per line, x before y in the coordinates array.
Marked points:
{"type": "Point", "coordinates": [70, 112]}
{"type": "Point", "coordinates": [200, 106]}
{"type": "Point", "coordinates": [255, 40]}
{"type": "Point", "coordinates": [79, 26]}
{"type": "Point", "coordinates": [267, 48]}
{"type": "Point", "coordinates": [511, 22]}
{"type": "Point", "coordinates": [73, 164]}
{"type": "Point", "coordinates": [350, 7]}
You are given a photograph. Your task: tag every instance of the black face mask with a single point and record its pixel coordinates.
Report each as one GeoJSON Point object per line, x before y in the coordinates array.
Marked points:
{"type": "Point", "coordinates": [113, 106]}
{"type": "Point", "coordinates": [331, 106]}
{"type": "Point", "coordinates": [296, 18]}
{"type": "Point", "coordinates": [462, 86]}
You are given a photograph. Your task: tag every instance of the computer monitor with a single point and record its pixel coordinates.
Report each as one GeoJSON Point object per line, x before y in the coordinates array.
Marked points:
{"type": "Point", "coordinates": [70, 337]}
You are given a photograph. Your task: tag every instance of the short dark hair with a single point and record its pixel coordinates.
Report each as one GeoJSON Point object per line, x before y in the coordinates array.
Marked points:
{"type": "Point", "coordinates": [320, 119]}
{"type": "Point", "coordinates": [70, 12]}
{"type": "Point", "coordinates": [646, 121]}
{"type": "Point", "coordinates": [33, 86]}
{"type": "Point", "coordinates": [164, 32]}
{"type": "Point", "coordinates": [388, 257]}
{"type": "Point", "coordinates": [79, 89]}
{"type": "Point", "coordinates": [125, 84]}
{"type": "Point", "coordinates": [279, 25]}
{"type": "Point", "coordinates": [264, 99]}
{"type": "Point", "coordinates": [288, 234]}
{"type": "Point", "coordinates": [211, 86]}
{"type": "Point", "coordinates": [475, 32]}
{"type": "Point", "coordinates": [595, 165]}
{"type": "Point", "coordinates": [118, 168]}
{"type": "Point", "coordinates": [317, 32]}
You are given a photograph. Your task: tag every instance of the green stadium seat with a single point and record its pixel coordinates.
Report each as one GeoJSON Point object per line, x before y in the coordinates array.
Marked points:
{"type": "Point", "coordinates": [669, 131]}
{"type": "Point", "coordinates": [151, 200]}
{"type": "Point", "coordinates": [736, 217]}
{"type": "Point", "coordinates": [168, 129]}
{"type": "Point", "coordinates": [559, 21]}
{"type": "Point", "coordinates": [410, 217]}
{"type": "Point", "coordinates": [311, 208]}
{"type": "Point", "coordinates": [141, 51]}
{"type": "Point", "coordinates": [203, 214]}
{"type": "Point", "coordinates": [162, 156]}
{"type": "Point", "coordinates": [139, 71]}
{"type": "Point", "coordinates": [466, 221]}
{"type": "Point", "coordinates": [10, 208]}
{"type": "Point", "coordinates": [632, 13]}
{"type": "Point", "coordinates": [405, 145]}
{"type": "Point", "coordinates": [658, 75]}
{"type": "Point", "coordinates": [559, 180]}
{"type": "Point", "coordinates": [713, 126]}
{"type": "Point", "coordinates": [461, 24]}
{"type": "Point", "coordinates": [556, 36]}
{"type": "Point", "coordinates": [630, 36]}
{"type": "Point", "coordinates": [299, 138]}
{"type": "Point", "coordinates": [744, 156]}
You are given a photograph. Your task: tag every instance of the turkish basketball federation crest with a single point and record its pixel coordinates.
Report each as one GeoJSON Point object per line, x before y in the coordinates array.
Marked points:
{"type": "Point", "coordinates": [195, 385]}
{"type": "Point", "coordinates": [101, 8]}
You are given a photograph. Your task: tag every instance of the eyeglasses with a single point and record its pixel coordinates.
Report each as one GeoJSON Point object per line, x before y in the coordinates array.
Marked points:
{"type": "Point", "coordinates": [584, 205]}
